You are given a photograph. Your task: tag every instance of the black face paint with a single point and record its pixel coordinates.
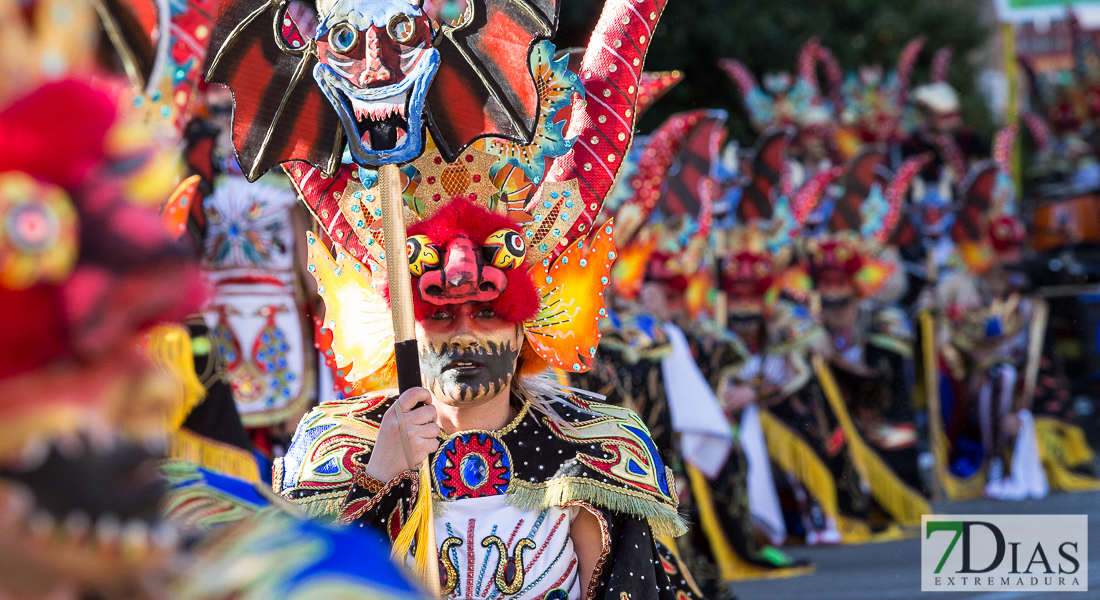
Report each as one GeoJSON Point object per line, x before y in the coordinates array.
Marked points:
{"type": "Point", "coordinates": [472, 373]}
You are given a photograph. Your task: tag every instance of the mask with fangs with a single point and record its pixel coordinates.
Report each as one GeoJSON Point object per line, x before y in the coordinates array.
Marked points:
{"type": "Point", "coordinates": [375, 61]}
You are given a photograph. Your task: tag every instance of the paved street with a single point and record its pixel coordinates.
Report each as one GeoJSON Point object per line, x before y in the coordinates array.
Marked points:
{"type": "Point", "coordinates": [891, 570]}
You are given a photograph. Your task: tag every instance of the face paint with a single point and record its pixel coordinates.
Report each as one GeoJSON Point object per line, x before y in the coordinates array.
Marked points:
{"type": "Point", "coordinates": [467, 354]}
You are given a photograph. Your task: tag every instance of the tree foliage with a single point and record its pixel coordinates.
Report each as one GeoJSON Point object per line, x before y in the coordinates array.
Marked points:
{"type": "Point", "coordinates": [767, 34]}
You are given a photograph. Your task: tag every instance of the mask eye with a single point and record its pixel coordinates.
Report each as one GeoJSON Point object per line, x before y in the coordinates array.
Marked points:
{"type": "Point", "coordinates": [343, 38]}
{"type": "Point", "coordinates": [422, 254]}
{"type": "Point", "coordinates": [401, 28]}
{"type": "Point", "coordinates": [504, 249]}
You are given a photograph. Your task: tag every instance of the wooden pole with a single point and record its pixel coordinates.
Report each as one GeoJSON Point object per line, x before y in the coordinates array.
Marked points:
{"type": "Point", "coordinates": [1012, 108]}
{"type": "Point", "coordinates": [399, 278]}
{"type": "Point", "coordinates": [405, 352]}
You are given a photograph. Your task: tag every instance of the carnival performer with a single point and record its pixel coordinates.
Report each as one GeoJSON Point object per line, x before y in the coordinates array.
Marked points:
{"type": "Point", "coordinates": [87, 276]}
{"type": "Point", "coordinates": [777, 377]}
{"type": "Point", "coordinates": [871, 103]}
{"type": "Point", "coordinates": [649, 356]}
{"type": "Point", "coordinates": [940, 129]}
{"type": "Point", "coordinates": [796, 101]}
{"type": "Point", "coordinates": [1064, 117]}
{"type": "Point", "coordinates": [543, 492]}
{"type": "Point", "coordinates": [993, 335]}
{"type": "Point", "coordinates": [867, 371]}
{"type": "Point", "coordinates": [79, 291]}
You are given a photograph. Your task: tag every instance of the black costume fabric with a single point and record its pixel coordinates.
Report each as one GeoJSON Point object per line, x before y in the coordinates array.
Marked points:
{"type": "Point", "coordinates": [884, 399]}
{"type": "Point", "coordinates": [216, 417]}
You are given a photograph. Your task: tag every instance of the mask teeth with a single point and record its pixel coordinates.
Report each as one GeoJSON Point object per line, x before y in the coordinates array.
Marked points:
{"type": "Point", "coordinates": [481, 390]}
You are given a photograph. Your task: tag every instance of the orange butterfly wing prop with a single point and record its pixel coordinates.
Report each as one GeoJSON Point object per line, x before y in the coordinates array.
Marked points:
{"type": "Point", "coordinates": [565, 331]}
{"type": "Point", "coordinates": [365, 334]}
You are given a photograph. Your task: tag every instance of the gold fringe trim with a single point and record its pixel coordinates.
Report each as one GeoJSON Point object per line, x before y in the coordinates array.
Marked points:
{"type": "Point", "coordinates": [731, 567]}
{"type": "Point", "coordinates": [902, 502]}
{"type": "Point", "coordinates": [795, 456]}
{"type": "Point", "coordinates": [1062, 447]}
{"type": "Point", "coordinates": [854, 532]}
{"type": "Point", "coordinates": [168, 348]}
{"type": "Point", "coordinates": [945, 484]}
{"type": "Point", "coordinates": [214, 455]}
{"type": "Point", "coordinates": [663, 519]}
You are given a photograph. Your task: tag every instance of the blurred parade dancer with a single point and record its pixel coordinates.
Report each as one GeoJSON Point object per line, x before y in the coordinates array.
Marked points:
{"type": "Point", "coordinates": [992, 333]}
{"type": "Point", "coordinates": [651, 343]}
{"type": "Point", "coordinates": [867, 370]}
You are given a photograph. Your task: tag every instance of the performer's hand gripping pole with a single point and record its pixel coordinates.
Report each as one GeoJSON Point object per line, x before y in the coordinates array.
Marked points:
{"type": "Point", "coordinates": [420, 524]}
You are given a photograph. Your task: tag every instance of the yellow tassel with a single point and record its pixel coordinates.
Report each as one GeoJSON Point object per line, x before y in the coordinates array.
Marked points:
{"type": "Point", "coordinates": [795, 456]}
{"type": "Point", "coordinates": [724, 554]}
{"type": "Point", "coordinates": [1062, 446]}
{"type": "Point", "coordinates": [731, 567]}
{"type": "Point", "coordinates": [168, 348]}
{"type": "Point", "coordinates": [420, 528]}
{"type": "Point", "coordinates": [902, 502]}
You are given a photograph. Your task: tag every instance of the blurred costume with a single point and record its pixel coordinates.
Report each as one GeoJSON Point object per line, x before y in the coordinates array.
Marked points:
{"type": "Point", "coordinates": [89, 279]}
{"type": "Point", "coordinates": [800, 437]}
{"type": "Point", "coordinates": [871, 103]}
{"type": "Point", "coordinates": [92, 289]}
{"type": "Point", "coordinates": [796, 102]}
{"type": "Point", "coordinates": [940, 130]}
{"type": "Point", "coordinates": [755, 241]}
{"type": "Point", "coordinates": [260, 313]}
{"type": "Point", "coordinates": [1066, 107]}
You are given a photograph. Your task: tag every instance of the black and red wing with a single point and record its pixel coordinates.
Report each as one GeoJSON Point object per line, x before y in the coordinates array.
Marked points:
{"type": "Point", "coordinates": [768, 164]}
{"type": "Point", "coordinates": [977, 200]}
{"type": "Point", "coordinates": [484, 86]}
{"type": "Point", "coordinates": [865, 170]}
{"type": "Point", "coordinates": [279, 112]}
{"type": "Point", "coordinates": [682, 195]}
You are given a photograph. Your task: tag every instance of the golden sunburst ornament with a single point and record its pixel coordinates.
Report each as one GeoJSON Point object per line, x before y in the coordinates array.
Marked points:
{"type": "Point", "coordinates": [440, 181]}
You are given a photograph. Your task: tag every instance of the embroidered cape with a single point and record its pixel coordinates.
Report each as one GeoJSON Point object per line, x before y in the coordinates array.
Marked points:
{"type": "Point", "coordinates": [597, 456]}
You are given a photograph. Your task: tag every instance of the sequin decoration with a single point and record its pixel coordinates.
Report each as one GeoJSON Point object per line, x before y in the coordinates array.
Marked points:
{"type": "Point", "coordinates": [553, 214]}
{"type": "Point", "coordinates": [270, 354]}
{"type": "Point", "coordinates": [472, 465]}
